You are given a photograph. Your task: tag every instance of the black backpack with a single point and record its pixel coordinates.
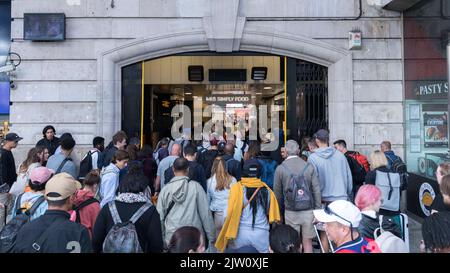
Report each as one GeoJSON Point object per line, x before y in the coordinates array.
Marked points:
{"type": "Point", "coordinates": [358, 172]}
{"type": "Point", "coordinates": [9, 232]}
{"type": "Point", "coordinates": [398, 166]}
{"type": "Point", "coordinates": [298, 194]}
{"type": "Point", "coordinates": [85, 165]}
{"type": "Point", "coordinates": [82, 205]}
{"type": "Point", "coordinates": [169, 174]}
{"type": "Point", "coordinates": [201, 155]}
{"type": "Point", "coordinates": [208, 161]}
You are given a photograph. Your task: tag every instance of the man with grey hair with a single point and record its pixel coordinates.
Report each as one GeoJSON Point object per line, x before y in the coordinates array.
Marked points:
{"type": "Point", "coordinates": [386, 148]}
{"type": "Point", "coordinates": [165, 164]}
{"type": "Point", "coordinates": [299, 215]}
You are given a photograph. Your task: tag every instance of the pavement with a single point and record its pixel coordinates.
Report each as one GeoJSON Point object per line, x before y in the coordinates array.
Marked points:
{"type": "Point", "coordinates": [415, 235]}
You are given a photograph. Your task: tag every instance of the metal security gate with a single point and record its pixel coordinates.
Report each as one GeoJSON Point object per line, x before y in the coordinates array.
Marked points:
{"type": "Point", "coordinates": [312, 91]}
{"type": "Point", "coordinates": [307, 98]}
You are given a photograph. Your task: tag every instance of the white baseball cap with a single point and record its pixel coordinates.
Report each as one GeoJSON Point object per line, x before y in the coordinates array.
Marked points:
{"type": "Point", "coordinates": [340, 211]}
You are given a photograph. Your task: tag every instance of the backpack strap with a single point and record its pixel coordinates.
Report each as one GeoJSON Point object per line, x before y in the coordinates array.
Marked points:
{"type": "Point", "coordinates": [82, 205]}
{"type": "Point", "coordinates": [38, 243]}
{"type": "Point", "coordinates": [62, 165]}
{"type": "Point", "coordinates": [114, 212]}
{"type": "Point", "coordinates": [36, 205]}
{"type": "Point", "coordinates": [391, 189]}
{"type": "Point", "coordinates": [18, 208]}
{"type": "Point", "coordinates": [291, 172]}
{"type": "Point", "coordinates": [172, 203]}
{"type": "Point", "coordinates": [140, 212]}
{"type": "Point", "coordinates": [89, 153]}
{"type": "Point", "coordinates": [251, 198]}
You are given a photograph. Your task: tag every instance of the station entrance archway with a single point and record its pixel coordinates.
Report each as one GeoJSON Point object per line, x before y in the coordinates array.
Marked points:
{"type": "Point", "coordinates": [295, 89]}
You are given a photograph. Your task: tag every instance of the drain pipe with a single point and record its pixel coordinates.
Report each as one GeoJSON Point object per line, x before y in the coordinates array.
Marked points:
{"type": "Point", "coordinates": [310, 18]}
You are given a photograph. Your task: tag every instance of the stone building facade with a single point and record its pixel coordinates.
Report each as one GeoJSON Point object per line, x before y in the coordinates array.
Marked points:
{"type": "Point", "coordinates": [75, 84]}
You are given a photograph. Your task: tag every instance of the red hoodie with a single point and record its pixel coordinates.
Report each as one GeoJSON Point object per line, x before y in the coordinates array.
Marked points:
{"type": "Point", "coordinates": [89, 213]}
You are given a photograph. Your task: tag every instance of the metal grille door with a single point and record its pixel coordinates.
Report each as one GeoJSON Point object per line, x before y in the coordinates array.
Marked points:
{"type": "Point", "coordinates": [312, 98]}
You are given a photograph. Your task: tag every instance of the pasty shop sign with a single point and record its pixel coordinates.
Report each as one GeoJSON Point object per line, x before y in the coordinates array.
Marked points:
{"type": "Point", "coordinates": [432, 89]}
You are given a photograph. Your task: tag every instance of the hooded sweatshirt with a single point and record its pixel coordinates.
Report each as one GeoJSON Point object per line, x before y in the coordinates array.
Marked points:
{"type": "Point", "coordinates": [335, 177]}
{"type": "Point", "coordinates": [109, 184]}
{"type": "Point", "coordinates": [190, 208]}
{"type": "Point", "coordinates": [89, 213]}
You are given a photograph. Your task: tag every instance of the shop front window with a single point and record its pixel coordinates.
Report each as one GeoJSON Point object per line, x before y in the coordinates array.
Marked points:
{"type": "Point", "coordinates": [426, 135]}
{"type": "Point", "coordinates": [426, 34]}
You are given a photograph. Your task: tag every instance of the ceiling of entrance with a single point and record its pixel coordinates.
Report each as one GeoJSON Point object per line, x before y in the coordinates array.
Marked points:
{"type": "Point", "coordinates": [173, 70]}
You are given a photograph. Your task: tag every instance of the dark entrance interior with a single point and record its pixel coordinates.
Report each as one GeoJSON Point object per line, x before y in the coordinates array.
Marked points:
{"type": "Point", "coordinates": [306, 100]}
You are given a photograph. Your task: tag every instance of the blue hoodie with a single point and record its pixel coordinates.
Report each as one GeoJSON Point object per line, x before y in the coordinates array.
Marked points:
{"type": "Point", "coordinates": [335, 177]}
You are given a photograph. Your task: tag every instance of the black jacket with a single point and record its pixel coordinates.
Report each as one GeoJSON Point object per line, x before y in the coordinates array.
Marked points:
{"type": "Point", "coordinates": [371, 178]}
{"type": "Point", "coordinates": [148, 227]}
{"type": "Point", "coordinates": [61, 235]}
{"type": "Point", "coordinates": [368, 225]}
{"type": "Point", "coordinates": [233, 166]}
{"type": "Point", "coordinates": [208, 160]}
{"type": "Point", "coordinates": [50, 145]}
{"type": "Point", "coordinates": [108, 155]}
{"type": "Point", "coordinates": [196, 173]}
{"type": "Point", "coordinates": [8, 173]}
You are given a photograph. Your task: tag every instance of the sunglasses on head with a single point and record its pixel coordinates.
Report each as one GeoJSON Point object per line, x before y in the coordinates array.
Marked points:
{"type": "Point", "coordinates": [331, 212]}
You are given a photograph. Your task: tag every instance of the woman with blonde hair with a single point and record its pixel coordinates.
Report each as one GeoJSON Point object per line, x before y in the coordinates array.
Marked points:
{"type": "Point", "coordinates": [218, 191]}
{"type": "Point", "coordinates": [389, 184]}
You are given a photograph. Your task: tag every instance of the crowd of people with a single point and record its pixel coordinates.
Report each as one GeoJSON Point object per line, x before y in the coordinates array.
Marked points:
{"type": "Point", "coordinates": [215, 195]}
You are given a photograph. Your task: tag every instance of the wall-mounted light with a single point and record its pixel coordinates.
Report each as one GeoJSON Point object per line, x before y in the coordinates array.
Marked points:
{"type": "Point", "coordinates": [259, 73]}
{"type": "Point", "coordinates": [195, 73]}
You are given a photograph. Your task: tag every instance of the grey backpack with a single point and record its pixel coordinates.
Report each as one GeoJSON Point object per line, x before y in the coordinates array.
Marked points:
{"type": "Point", "coordinates": [389, 184]}
{"type": "Point", "coordinates": [387, 241]}
{"type": "Point", "coordinates": [298, 193]}
{"type": "Point", "coordinates": [123, 237]}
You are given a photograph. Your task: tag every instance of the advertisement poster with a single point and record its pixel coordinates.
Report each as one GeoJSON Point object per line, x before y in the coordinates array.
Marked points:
{"type": "Point", "coordinates": [435, 127]}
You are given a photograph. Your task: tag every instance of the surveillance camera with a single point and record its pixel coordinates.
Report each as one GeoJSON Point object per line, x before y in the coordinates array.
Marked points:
{"type": "Point", "coordinates": [12, 85]}
{"type": "Point", "coordinates": [7, 68]}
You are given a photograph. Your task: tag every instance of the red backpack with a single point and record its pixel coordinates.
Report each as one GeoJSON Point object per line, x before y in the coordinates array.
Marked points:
{"type": "Point", "coordinates": [361, 159]}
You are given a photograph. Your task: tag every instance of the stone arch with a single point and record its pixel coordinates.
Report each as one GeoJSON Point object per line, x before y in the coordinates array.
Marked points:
{"type": "Point", "coordinates": [338, 61]}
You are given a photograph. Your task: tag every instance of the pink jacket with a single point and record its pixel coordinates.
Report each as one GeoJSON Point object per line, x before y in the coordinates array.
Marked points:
{"type": "Point", "coordinates": [89, 213]}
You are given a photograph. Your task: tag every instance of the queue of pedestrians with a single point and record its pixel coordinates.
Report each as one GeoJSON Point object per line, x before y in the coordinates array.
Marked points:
{"type": "Point", "coordinates": [216, 195]}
